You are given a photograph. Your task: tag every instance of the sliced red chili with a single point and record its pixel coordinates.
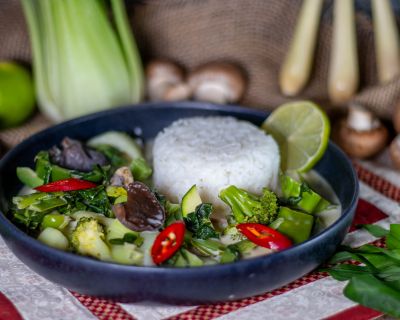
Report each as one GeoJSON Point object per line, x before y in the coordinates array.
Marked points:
{"type": "Point", "coordinates": [70, 184]}
{"type": "Point", "coordinates": [264, 236]}
{"type": "Point", "coordinates": [168, 242]}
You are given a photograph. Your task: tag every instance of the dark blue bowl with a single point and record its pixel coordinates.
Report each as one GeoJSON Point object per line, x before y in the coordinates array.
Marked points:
{"type": "Point", "coordinates": [192, 285]}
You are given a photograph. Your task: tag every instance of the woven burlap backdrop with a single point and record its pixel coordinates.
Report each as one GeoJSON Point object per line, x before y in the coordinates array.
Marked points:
{"type": "Point", "coordinates": [252, 33]}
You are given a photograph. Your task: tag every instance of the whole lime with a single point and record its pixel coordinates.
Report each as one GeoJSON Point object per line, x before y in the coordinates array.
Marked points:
{"type": "Point", "coordinates": [17, 94]}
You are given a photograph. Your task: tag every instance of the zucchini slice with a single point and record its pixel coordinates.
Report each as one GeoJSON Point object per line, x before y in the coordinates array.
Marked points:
{"type": "Point", "coordinates": [190, 201]}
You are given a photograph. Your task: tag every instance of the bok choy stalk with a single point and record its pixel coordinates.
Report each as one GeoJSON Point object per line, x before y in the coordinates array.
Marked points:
{"type": "Point", "coordinates": [82, 61]}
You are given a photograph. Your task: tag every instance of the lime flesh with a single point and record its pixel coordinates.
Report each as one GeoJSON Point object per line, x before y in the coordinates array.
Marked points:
{"type": "Point", "coordinates": [302, 131]}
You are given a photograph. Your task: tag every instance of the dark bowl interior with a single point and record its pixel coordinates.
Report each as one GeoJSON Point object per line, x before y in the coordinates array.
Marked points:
{"type": "Point", "coordinates": [190, 285]}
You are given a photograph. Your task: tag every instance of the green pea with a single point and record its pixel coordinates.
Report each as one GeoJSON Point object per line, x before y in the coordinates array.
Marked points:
{"type": "Point", "coordinates": [54, 220]}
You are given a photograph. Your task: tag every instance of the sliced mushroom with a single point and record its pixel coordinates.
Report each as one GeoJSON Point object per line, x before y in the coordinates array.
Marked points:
{"type": "Point", "coordinates": [76, 156]}
{"type": "Point", "coordinates": [142, 211]}
{"type": "Point", "coordinates": [165, 81]}
{"type": "Point", "coordinates": [122, 177]}
{"type": "Point", "coordinates": [217, 82]}
{"type": "Point", "coordinates": [361, 135]}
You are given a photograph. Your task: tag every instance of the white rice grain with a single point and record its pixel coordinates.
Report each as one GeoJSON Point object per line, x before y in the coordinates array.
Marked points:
{"type": "Point", "coordinates": [213, 153]}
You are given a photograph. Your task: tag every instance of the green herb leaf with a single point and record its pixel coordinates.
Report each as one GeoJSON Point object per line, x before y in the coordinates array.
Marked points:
{"type": "Point", "coordinates": [371, 292]}
{"type": "Point", "coordinates": [344, 272]}
{"type": "Point", "coordinates": [393, 238]}
{"type": "Point", "coordinates": [199, 222]}
{"type": "Point", "coordinates": [375, 230]}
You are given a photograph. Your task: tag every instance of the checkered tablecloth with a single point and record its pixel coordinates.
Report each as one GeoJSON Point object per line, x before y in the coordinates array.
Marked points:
{"type": "Point", "coordinates": [26, 295]}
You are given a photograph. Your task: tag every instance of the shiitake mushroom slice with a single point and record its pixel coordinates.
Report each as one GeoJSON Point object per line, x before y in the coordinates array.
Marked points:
{"type": "Point", "coordinates": [142, 211]}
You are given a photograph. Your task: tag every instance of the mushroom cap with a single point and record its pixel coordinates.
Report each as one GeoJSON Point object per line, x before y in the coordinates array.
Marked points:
{"type": "Point", "coordinates": [160, 76]}
{"type": "Point", "coordinates": [360, 144]}
{"type": "Point", "coordinates": [177, 92]}
{"type": "Point", "coordinates": [217, 82]}
{"type": "Point", "coordinates": [394, 151]}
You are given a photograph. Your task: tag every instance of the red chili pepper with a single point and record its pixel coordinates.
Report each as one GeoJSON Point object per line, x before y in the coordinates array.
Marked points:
{"type": "Point", "coordinates": [264, 236]}
{"type": "Point", "coordinates": [70, 184]}
{"type": "Point", "coordinates": [168, 242]}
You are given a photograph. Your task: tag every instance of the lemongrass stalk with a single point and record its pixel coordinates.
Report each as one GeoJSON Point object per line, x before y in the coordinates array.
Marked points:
{"type": "Point", "coordinates": [343, 70]}
{"type": "Point", "coordinates": [386, 40]}
{"type": "Point", "coordinates": [297, 65]}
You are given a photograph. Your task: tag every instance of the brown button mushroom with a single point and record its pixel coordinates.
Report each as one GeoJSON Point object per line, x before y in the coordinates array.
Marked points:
{"type": "Point", "coordinates": [361, 134]}
{"type": "Point", "coordinates": [142, 211]}
{"type": "Point", "coordinates": [394, 152]}
{"type": "Point", "coordinates": [217, 82]}
{"type": "Point", "coordinates": [165, 81]}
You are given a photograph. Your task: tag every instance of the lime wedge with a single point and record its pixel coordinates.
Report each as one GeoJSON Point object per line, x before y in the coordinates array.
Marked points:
{"type": "Point", "coordinates": [302, 131]}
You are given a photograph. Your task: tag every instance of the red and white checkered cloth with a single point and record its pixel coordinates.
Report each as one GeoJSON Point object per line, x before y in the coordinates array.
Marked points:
{"type": "Point", "coordinates": [26, 295]}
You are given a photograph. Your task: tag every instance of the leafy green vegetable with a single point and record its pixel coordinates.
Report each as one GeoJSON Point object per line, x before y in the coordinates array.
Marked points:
{"type": "Point", "coordinates": [129, 238]}
{"type": "Point", "coordinates": [393, 238]}
{"type": "Point", "coordinates": [230, 254]}
{"type": "Point", "coordinates": [343, 272]}
{"type": "Point", "coordinates": [94, 199]}
{"type": "Point", "coordinates": [375, 230]}
{"type": "Point", "coordinates": [199, 223]}
{"type": "Point", "coordinates": [116, 157]}
{"type": "Point", "coordinates": [140, 169]}
{"type": "Point", "coordinates": [43, 166]}
{"type": "Point", "coordinates": [28, 177]}
{"type": "Point", "coordinates": [375, 283]}
{"type": "Point", "coordinates": [371, 292]}
{"type": "Point", "coordinates": [82, 61]}
{"type": "Point", "coordinates": [184, 258]}
{"type": "Point", "coordinates": [249, 208]}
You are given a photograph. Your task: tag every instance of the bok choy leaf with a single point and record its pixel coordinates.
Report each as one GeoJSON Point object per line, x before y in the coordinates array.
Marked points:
{"type": "Point", "coordinates": [83, 62]}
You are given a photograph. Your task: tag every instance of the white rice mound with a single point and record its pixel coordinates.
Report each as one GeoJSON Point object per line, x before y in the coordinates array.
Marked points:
{"type": "Point", "coordinates": [213, 153]}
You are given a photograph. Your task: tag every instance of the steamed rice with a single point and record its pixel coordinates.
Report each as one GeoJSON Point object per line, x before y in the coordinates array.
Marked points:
{"type": "Point", "coordinates": [213, 153]}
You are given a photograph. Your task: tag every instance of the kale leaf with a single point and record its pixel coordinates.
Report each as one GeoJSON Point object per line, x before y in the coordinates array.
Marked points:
{"type": "Point", "coordinates": [199, 223]}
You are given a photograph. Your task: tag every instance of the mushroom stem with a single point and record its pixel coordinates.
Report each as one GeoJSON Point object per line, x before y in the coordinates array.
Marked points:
{"type": "Point", "coordinates": [360, 119]}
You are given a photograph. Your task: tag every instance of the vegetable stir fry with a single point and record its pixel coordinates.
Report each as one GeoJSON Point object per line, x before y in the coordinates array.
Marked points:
{"type": "Point", "coordinates": [96, 199]}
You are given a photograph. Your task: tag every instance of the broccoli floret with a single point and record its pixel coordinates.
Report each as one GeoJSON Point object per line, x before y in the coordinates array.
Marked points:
{"type": "Point", "coordinates": [88, 238]}
{"type": "Point", "coordinates": [249, 208]}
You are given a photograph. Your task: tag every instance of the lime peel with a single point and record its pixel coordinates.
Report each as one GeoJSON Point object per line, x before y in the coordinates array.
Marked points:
{"type": "Point", "coordinates": [302, 131]}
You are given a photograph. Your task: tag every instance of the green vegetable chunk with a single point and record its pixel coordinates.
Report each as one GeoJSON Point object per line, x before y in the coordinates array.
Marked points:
{"type": "Point", "coordinates": [140, 169]}
{"type": "Point", "coordinates": [58, 173]}
{"type": "Point", "coordinates": [184, 258]}
{"type": "Point", "coordinates": [249, 208]}
{"type": "Point", "coordinates": [54, 238]}
{"type": "Point", "coordinates": [88, 239]}
{"type": "Point", "coordinates": [29, 177]}
{"type": "Point", "coordinates": [294, 224]}
{"type": "Point", "coordinates": [126, 253]}
{"type": "Point", "coordinates": [54, 220]}
{"type": "Point", "coordinates": [199, 223]}
{"type": "Point", "coordinates": [301, 196]}
{"type": "Point", "coordinates": [190, 201]}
